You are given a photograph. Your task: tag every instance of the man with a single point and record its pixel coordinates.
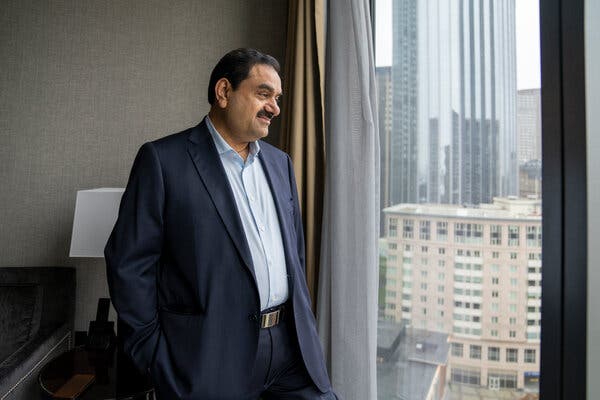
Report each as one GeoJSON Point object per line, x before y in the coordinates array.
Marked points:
{"type": "Point", "coordinates": [206, 261]}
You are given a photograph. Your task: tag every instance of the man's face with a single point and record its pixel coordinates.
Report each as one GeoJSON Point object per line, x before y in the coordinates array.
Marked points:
{"type": "Point", "coordinates": [253, 104]}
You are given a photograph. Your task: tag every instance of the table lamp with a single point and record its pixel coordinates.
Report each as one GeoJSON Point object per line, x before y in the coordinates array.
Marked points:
{"type": "Point", "coordinates": [95, 215]}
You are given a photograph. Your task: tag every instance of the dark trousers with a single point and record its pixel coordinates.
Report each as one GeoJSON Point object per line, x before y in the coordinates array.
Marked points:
{"type": "Point", "coordinates": [279, 372]}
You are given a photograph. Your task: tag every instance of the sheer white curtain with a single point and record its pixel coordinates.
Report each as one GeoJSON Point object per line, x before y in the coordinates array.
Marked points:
{"type": "Point", "coordinates": [347, 306]}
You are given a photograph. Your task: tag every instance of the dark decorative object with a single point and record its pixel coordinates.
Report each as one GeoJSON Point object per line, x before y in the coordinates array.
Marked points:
{"type": "Point", "coordinates": [37, 307]}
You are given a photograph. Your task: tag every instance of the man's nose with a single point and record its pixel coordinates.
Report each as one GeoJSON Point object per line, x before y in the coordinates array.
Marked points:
{"type": "Point", "coordinates": [273, 107]}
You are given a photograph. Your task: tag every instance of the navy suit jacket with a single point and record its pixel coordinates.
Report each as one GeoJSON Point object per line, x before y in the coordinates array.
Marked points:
{"type": "Point", "coordinates": [180, 271]}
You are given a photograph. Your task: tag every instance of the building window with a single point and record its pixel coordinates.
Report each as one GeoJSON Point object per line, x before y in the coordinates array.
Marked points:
{"type": "Point", "coordinates": [440, 288]}
{"type": "Point", "coordinates": [513, 282]}
{"type": "Point", "coordinates": [393, 227]}
{"type": "Point", "coordinates": [494, 353]}
{"type": "Point", "coordinates": [494, 333]}
{"type": "Point", "coordinates": [408, 229]}
{"type": "Point", "coordinates": [513, 235]}
{"type": "Point", "coordinates": [466, 376]}
{"type": "Point", "coordinates": [442, 231]}
{"type": "Point", "coordinates": [407, 247]}
{"type": "Point", "coordinates": [513, 256]}
{"type": "Point", "coordinates": [495, 254]}
{"type": "Point", "coordinates": [457, 349]}
{"type": "Point", "coordinates": [441, 263]}
{"type": "Point", "coordinates": [502, 380]}
{"type": "Point", "coordinates": [424, 230]}
{"type": "Point", "coordinates": [390, 293]}
{"type": "Point", "coordinates": [512, 355]}
{"type": "Point", "coordinates": [496, 235]}
{"type": "Point", "coordinates": [534, 236]}
{"type": "Point", "coordinates": [441, 251]}
{"type": "Point", "coordinates": [494, 320]}
{"type": "Point", "coordinates": [495, 281]}
{"type": "Point", "coordinates": [475, 352]}
{"type": "Point", "coordinates": [468, 233]}
{"type": "Point", "coordinates": [530, 356]}
{"type": "Point", "coordinates": [495, 293]}
{"type": "Point", "coordinates": [392, 246]}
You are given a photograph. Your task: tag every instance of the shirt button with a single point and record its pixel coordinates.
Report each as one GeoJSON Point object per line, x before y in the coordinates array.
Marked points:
{"type": "Point", "coordinates": [261, 228]}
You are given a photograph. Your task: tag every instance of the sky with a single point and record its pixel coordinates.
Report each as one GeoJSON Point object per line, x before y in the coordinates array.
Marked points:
{"type": "Point", "coordinates": [527, 39]}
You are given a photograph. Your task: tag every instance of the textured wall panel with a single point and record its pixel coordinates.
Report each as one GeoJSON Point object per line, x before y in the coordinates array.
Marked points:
{"type": "Point", "coordinates": [83, 84]}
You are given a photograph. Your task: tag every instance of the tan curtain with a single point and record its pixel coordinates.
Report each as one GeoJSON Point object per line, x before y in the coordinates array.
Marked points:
{"type": "Point", "coordinates": [302, 131]}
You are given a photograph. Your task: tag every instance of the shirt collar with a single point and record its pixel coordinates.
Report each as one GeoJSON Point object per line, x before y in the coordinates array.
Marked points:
{"type": "Point", "coordinates": [224, 147]}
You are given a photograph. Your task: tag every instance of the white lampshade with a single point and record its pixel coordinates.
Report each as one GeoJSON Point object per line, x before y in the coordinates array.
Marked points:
{"type": "Point", "coordinates": [95, 215]}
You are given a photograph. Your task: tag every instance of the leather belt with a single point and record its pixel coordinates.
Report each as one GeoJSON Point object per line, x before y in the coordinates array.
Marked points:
{"type": "Point", "coordinates": [272, 316]}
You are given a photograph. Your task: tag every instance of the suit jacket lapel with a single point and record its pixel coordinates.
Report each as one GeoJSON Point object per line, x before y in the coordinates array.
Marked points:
{"type": "Point", "coordinates": [278, 183]}
{"type": "Point", "coordinates": [208, 164]}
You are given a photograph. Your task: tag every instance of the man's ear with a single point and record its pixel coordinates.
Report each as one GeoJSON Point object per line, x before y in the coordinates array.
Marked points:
{"type": "Point", "coordinates": [222, 91]}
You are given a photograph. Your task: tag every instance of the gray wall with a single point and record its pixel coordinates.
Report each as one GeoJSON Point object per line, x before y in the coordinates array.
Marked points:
{"type": "Point", "coordinates": [592, 58]}
{"type": "Point", "coordinates": [83, 84]}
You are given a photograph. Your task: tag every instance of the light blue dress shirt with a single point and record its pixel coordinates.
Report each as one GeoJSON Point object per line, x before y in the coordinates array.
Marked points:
{"type": "Point", "coordinates": [259, 218]}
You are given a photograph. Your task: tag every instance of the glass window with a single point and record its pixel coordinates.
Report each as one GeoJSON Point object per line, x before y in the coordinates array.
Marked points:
{"type": "Point", "coordinates": [513, 235]}
{"type": "Point", "coordinates": [468, 233]}
{"type": "Point", "coordinates": [496, 235]}
{"type": "Point", "coordinates": [534, 236]}
{"type": "Point", "coordinates": [512, 355]}
{"type": "Point", "coordinates": [442, 230]}
{"type": "Point", "coordinates": [457, 349]}
{"type": "Point", "coordinates": [530, 356]}
{"type": "Point", "coordinates": [393, 227]}
{"type": "Point", "coordinates": [493, 353]}
{"type": "Point", "coordinates": [424, 230]}
{"type": "Point", "coordinates": [458, 139]}
{"type": "Point", "coordinates": [475, 352]}
{"type": "Point", "coordinates": [407, 228]}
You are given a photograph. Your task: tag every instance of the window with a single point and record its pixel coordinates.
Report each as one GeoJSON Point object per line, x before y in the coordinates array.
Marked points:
{"type": "Point", "coordinates": [512, 355]}
{"type": "Point", "coordinates": [451, 157]}
{"type": "Point", "coordinates": [513, 235]}
{"type": "Point", "coordinates": [392, 246]}
{"type": "Point", "coordinates": [465, 375]}
{"type": "Point", "coordinates": [393, 227]}
{"type": "Point", "coordinates": [530, 356]}
{"type": "Point", "coordinates": [496, 235]}
{"type": "Point", "coordinates": [442, 230]}
{"type": "Point", "coordinates": [468, 233]}
{"type": "Point", "coordinates": [457, 349]}
{"type": "Point", "coordinates": [424, 230]}
{"type": "Point", "coordinates": [475, 352]}
{"type": "Point", "coordinates": [407, 229]}
{"type": "Point", "coordinates": [493, 353]}
{"type": "Point", "coordinates": [534, 236]}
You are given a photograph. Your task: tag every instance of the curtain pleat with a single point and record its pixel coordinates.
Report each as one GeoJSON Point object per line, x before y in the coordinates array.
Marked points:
{"type": "Point", "coordinates": [302, 134]}
{"type": "Point", "coordinates": [348, 280]}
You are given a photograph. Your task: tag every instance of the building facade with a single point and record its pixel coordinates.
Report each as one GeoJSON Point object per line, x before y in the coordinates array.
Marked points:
{"type": "Point", "coordinates": [475, 274]}
{"type": "Point", "coordinates": [454, 101]}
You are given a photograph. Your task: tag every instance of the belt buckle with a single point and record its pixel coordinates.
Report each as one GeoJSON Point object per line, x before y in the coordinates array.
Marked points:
{"type": "Point", "coordinates": [271, 319]}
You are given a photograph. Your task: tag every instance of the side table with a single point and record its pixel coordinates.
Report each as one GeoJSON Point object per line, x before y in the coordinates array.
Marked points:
{"type": "Point", "coordinates": [86, 374]}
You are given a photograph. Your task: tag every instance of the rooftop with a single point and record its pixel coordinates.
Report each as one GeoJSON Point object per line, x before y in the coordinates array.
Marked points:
{"type": "Point", "coordinates": [502, 208]}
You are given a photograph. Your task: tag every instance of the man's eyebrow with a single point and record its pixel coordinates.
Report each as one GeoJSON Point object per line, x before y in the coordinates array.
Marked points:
{"type": "Point", "coordinates": [268, 87]}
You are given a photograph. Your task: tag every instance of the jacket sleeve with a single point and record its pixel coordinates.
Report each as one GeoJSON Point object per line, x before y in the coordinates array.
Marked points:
{"type": "Point", "coordinates": [132, 255]}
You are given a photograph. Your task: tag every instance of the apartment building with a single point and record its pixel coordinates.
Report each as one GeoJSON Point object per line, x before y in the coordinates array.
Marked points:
{"type": "Point", "coordinates": [475, 274]}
